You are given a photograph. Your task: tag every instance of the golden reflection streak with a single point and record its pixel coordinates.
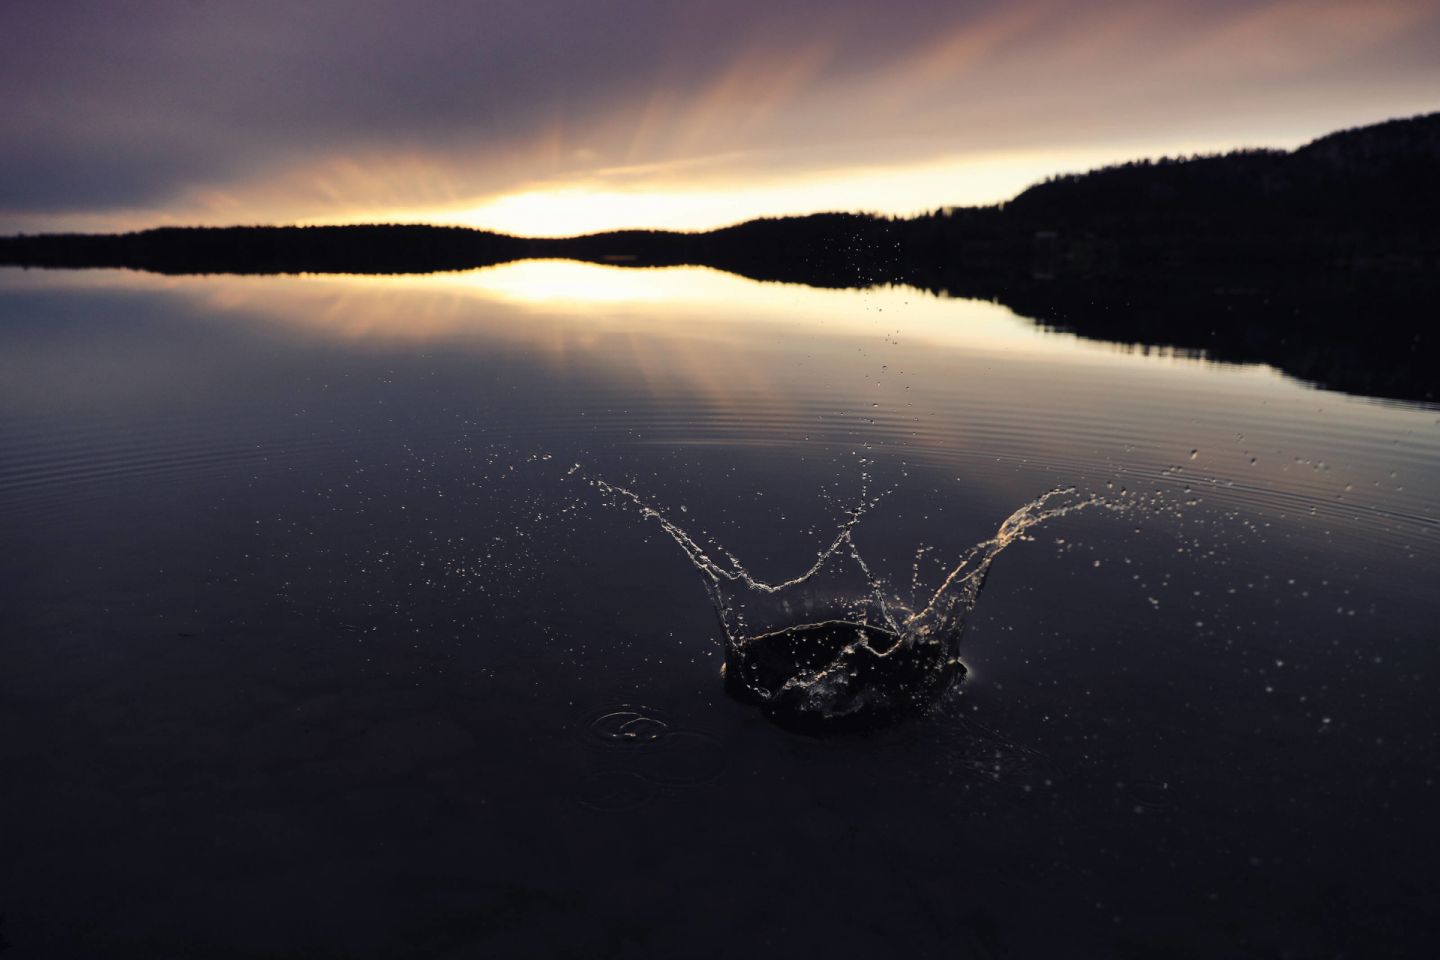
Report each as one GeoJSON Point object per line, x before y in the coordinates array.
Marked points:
{"type": "Point", "coordinates": [742, 352]}
{"type": "Point", "coordinates": [580, 301]}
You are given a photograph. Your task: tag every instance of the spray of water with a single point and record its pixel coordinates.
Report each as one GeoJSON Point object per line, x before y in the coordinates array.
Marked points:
{"type": "Point", "coordinates": [836, 647]}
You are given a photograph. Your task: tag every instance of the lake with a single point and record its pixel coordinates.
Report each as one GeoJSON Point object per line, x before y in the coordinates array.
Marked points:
{"type": "Point", "coordinates": [326, 632]}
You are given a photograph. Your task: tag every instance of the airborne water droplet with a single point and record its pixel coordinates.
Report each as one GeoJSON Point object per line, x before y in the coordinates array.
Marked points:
{"type": "Point", "coordinates": [836, 647]}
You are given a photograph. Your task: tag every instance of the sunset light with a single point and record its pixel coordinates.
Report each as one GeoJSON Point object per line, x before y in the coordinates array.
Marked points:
{"type": "Point", "coordinates": [661, 199]}
{"type": "Point", "coordinates": [759, 479]}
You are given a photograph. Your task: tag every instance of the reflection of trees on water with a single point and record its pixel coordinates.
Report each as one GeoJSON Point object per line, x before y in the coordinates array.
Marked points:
{"type": "Point", "coordinates": [1321, 261]}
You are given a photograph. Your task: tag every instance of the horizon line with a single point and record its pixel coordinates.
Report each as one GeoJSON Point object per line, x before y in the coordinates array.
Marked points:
{"type": "Point", "coordinates": [1153, 159]}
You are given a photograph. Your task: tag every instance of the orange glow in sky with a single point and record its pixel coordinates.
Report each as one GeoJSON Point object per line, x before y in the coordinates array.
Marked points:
{"type": "Point", "coordinates": [607, 203]}
{"type": "Point", "coordinates": [681, 116]}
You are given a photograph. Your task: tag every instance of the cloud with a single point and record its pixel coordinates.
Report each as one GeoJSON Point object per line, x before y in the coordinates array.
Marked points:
{"type": "Point", "coordinates": [122, 115]}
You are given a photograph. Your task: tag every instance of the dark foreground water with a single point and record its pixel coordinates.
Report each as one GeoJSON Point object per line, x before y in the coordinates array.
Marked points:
{"type": "Point", "coordinates": [325, 632]}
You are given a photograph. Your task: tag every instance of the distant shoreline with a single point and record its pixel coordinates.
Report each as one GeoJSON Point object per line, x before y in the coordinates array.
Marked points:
{"type": "Point", "coordinates": [1365, 199]}
{"type": "Point", "coordinates": [1323, 261]}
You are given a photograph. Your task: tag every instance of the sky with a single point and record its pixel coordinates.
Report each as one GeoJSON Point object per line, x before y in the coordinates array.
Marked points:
{"type": "Point", "coordinates": [550, 117]}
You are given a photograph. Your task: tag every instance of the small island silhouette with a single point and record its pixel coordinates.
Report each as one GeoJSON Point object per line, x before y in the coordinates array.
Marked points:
{"type": "Point", "coordinates": [1323, 261]}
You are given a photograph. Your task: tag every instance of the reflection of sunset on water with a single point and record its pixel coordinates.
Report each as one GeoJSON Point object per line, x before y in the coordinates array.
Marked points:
{"type": "Point", "coordinates": [949, 381]}
{"type": "Point", "coordinates": [379, 584]}
{"type": "Point", "coordinates": [586, 300]}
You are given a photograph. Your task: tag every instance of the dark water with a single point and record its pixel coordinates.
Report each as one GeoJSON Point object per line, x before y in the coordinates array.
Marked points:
{"type": "Point", "coordinates": [315, 642]}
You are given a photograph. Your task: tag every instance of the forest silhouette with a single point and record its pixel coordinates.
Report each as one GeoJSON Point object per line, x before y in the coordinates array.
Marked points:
{"type": "Point", "coordinates": [1323, 261]}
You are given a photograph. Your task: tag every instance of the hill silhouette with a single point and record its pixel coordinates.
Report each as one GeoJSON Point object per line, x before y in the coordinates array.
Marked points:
{"type": "Point", "coordinates": [1324, 260]}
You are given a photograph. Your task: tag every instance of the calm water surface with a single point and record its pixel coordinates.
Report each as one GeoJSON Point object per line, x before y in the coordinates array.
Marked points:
{"type": "Point", "coordinates": [318, 638]}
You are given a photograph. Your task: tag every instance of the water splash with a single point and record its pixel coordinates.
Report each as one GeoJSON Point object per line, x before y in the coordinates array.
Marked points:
{"type": "Point", "coordinates": [836, 647]}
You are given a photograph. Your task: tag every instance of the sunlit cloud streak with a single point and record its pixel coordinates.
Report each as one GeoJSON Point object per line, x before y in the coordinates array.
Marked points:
{"type": "Point", "coordinates": [368, 110]}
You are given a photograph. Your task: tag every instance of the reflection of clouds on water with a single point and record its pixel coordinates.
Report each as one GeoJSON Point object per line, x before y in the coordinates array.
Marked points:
{"type": "Point", "coordinates": [328, 591]}
{"type": "Point", "coordinates": [691, 357]}
{"type": "Point", "coordinates": [584, 301]}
